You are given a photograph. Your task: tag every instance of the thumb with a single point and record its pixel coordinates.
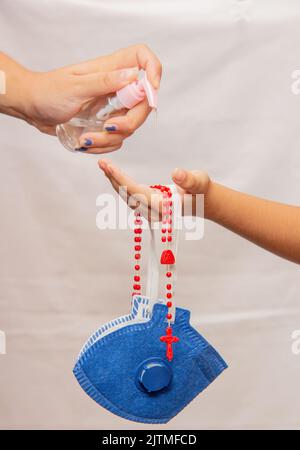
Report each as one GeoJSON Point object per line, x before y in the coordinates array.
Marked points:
{"type": "Point", "coordinates": [101, 83]}
{"type": "Point", "coordinates": [193, 182]}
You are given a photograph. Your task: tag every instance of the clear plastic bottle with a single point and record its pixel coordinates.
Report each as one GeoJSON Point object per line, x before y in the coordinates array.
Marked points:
{"type": "Point", "coordinates": [93, 116]}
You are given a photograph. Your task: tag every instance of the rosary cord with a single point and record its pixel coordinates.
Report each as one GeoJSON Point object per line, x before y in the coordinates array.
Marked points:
{"type": "Point", "coordinates": [167, 259]}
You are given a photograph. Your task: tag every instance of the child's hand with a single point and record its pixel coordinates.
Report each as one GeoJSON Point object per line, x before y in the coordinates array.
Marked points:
{"type": "Point", "coordinates": [188, 182]}
{"type": "Point", "coordinates": [191, 181]}
{"type": "Point", "coordinates": [136, 195]}
{"type": "Point", "coordinates": [258, 220]}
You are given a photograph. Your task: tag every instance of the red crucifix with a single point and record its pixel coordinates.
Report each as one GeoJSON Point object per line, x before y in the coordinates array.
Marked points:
{"type": "Point", "coordinates": [169, 340]}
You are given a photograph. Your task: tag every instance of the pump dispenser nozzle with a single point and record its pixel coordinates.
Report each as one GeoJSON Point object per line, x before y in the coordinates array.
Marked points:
{"type": "Point", "coordinates": [135, 92]}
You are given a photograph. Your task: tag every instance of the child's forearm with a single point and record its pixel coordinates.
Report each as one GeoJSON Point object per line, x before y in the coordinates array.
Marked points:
{"type": "Point", "coordinates": [273, 226]}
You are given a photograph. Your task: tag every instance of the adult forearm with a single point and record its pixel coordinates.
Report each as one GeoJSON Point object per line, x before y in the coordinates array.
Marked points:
{"type": "Point", "coordinates": [14, 100]}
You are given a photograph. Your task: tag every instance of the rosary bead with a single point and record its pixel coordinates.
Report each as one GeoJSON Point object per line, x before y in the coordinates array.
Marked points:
{"type": "Point", "coordinates": [167, 228]}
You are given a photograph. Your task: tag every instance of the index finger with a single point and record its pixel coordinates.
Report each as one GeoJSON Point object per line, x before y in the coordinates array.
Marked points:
{"type": "Point", "coordinates": [121, 179]}
{"type": "Point", "coordinates": [134, 192]}
{"type": "Point", "coordinates": [132, 56]}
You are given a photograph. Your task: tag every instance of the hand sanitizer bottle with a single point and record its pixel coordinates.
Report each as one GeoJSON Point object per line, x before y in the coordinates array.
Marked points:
{"type": "Point", "coordinates": [93, 116]}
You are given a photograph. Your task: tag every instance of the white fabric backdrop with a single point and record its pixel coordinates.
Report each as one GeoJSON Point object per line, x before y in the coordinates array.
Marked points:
{"type": "Point", "coordinates": [225, 106]}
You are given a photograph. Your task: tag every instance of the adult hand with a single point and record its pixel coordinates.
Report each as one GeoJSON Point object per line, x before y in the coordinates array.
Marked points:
{"type": "Point", "coordinates": [48, 99]}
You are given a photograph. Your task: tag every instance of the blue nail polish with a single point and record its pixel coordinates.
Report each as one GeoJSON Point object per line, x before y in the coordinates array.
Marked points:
{"type": "Point", "coordinates": [81, 149]}
{"type": "Point", "coordinates": [88, 142]}
{"type": "Point", "coordinates": [110, 128]}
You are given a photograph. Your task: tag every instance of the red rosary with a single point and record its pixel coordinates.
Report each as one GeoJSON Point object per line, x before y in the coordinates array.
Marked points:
{"type": "Point", "coordinates": [167, 258]}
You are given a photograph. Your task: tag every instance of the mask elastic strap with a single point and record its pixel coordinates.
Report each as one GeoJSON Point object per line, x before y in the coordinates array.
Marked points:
{"type": "Point", "coordinates": [153, 270]}
{"type": "Point", "coordinates": [155, 250]}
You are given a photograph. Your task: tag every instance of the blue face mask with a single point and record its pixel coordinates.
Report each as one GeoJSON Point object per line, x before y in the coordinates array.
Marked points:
{"type": "Point", "coordinates": [124, 368]}
{"type": "Point", "coordinates": [127, 373]}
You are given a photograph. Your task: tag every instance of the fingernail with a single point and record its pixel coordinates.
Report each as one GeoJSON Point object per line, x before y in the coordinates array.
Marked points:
{"type": "Point", "coordinates": [81, 149]}
{"type": "Point", "coordinates": [129, 74]}
{"type": "Point", "coordinates": [88, 142]}
{"type": "Point", "coordinates": [110, 127]}
{"type": "Point", "coordinates": [178, 174]}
